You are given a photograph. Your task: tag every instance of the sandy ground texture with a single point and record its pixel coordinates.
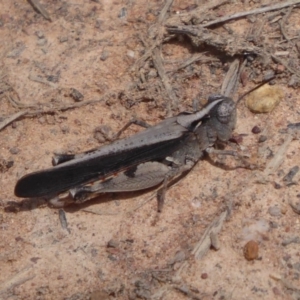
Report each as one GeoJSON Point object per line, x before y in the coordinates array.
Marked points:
{"type": "Point", "coordinates": [74, 73]}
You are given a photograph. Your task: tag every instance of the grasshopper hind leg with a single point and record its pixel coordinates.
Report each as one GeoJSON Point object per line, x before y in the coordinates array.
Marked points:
{"type": "Point", "coordinates": [143, 176]}
{"type": "Point", "coordinates": [173, 174]}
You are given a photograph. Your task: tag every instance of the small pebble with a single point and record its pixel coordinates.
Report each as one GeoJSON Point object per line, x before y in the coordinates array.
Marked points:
{"type": "Point", "coordinates": [256, 130]}
{"type": "Point", "coordinates": [262, 139]}
{"type": "Point", "coordinates": [19, 239]}
{"type": "Point", "coordinates": [104, 55]}
{"type": "Point", "coordinates": [289, 265]}
{"type": "Point", "coordinates": [283, 209]}
{"type": "Point", "coordinates": [40, 34]}
{"type": "Point", "coordinates": [112, 257]}
{"type": "Point", "coordinates": [63, 39]}
{"type": "Point", "coordinates": [112, 244]}
{"type": "Point", "coordinates": [294, 81]}
{"type": "Point", "coordinates": [99, 137]}
{"type": "Point", "coordinates": [295, 205]}
{"type": "Point", "coordinates": [251, 250]}
{"type": "Point", "coordinates": [14, 150]}
{"type": "Point", "coordinates": [244, 78]}
{"type": "Point", "coordinates": [276, 291]}
{"type": "Point", "coordinates": [290, 175]}
{"type": "Point", "coordinates": [286, 257]}
{"type": "Point", "coordinates": [102, 133]}
{"type": "Point", "coordinates": [264, 99]}
{"type": "Point", "coordinates": [53, 78]}
{"type": "Point", "coordinates": [277, 186]}
{"type": "Point", "coordinates": [204, 275]}
{"type": "Point", "coordinates": [123, 13]}
{"type": "Point", "coordinates": [274, 225]}
{"type": "Point", "coordinates": [150, 17]}
{"type": "Point", "coordinates": [77, 122]}
{"type": "Point", "coordinates": [42, 42]}
{"type": "Point", "coordinates": [274, 211]}
{"type": "Point", "coordinates": [65, 129]}
{"type": "Point", "coordinates": [34, 259]}
{"type": "Point", "coordinates": [130, 53]}
{"type": "Point", "coordinates": [76, 95]}
{"type": "Point", "coordinates": [9, 163]}
{"type": "Point", "coordinates": [280, 69]}
{"type": "Point", "coordinates": [268, 74]}
{"type": "Point", "coordinates": [238, 139]}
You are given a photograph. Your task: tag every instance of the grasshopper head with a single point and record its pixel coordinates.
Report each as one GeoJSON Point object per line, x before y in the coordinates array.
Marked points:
{"type": "Point", "coordinates": [223, 118]}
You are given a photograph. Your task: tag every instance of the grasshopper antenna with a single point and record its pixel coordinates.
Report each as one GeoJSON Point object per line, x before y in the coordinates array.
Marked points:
{"type": "Point", "coordinates": [255, 88]}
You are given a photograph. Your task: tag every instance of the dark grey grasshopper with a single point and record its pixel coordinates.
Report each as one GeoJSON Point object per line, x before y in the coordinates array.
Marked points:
{"type": "Point", "coordinates": [154, 156]}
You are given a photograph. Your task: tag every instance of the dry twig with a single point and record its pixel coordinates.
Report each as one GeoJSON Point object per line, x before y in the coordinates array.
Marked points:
{"type": "Point", "coordinates": [277, 160]}
{"type": "Point", "coordinates": [195, 58]}
{"type": "Point", "coordinates": [16, 280]}
{"type": "Point", "coordinates": [159, 31]}
{"type": "Point", "coordinates": [12, 118]}
{"type": "Point", "coordinates": [289, 68]}
{"type": "Point", "coordinates": [201, 37]}
{"type": "Point", "coordinates": [165, 80]}
{"type": "Point", "coordinates": [204, 244]}
{"type": "Point", "coordinates": [40, 8]}
{"type": "Point", "coordinates": [34, 111]}
{"type": "Point", "coordinates": [252, 12]}
{"type": "Point", "coordinates": [195, 14]}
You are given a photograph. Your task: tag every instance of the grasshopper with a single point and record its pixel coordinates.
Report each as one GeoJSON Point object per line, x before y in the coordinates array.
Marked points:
{"type": "Point", "coordinates": [153, 157]}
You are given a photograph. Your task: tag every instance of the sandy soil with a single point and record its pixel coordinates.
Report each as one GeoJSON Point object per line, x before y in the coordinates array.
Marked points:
{"type": "Point", "coordinates": [117, 246]}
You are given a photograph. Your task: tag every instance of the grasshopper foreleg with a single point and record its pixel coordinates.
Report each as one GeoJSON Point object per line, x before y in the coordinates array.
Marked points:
{"type": "Point", "coordinates": [246, 164]}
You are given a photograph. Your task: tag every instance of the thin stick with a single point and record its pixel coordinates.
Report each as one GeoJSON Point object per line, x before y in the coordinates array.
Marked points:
{"type": "Point", "coordinates": [165, 80]}
{"type": "Point", "coordinates": [163, 13]}
{"type": "Point", "coordinates": [33, 111]}
{"type": "Point", "coordinates": [159, 36]}
{"type": "Point", "coordinates": [186, 17]}
{"type": "Point", "coordinates": [278, 158]}
{"type": "Point", "coordinates": [16, 280]}
{"type": "Point", "coordinates": [282, 62]}
{"type": "Point", "coordinates": [195, 58]}
{"type": "Point", "coordinates": [40, 8]}
{"type": "Point", "coordinates": [12, 118]}
{"type": "Point", "coordinates": [252, 12]}
{"type": "Point", "coordinates": [283, 22]}
{"type": "Point", "coordinates": [42, 80]}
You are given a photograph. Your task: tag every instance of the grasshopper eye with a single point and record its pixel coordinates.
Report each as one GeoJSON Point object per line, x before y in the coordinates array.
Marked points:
{"type": "Point", "coordinates": [224, 112]}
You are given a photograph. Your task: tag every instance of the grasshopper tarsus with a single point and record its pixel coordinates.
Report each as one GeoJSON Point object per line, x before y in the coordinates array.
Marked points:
{"type": "Point", "coordinates": [161, 194]}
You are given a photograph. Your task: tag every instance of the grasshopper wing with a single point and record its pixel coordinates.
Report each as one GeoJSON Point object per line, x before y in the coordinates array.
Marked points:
{"type": "Point", "coordinates": [98, 164]}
